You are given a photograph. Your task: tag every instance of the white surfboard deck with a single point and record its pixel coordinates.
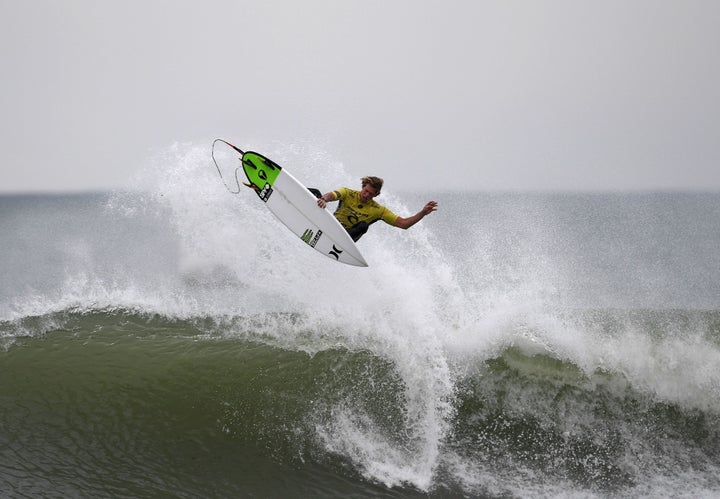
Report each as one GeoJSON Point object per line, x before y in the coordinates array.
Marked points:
{"type": "Point", "coordinates": [296, 207]}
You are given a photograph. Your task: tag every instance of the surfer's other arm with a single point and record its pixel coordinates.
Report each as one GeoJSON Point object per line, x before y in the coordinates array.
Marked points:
{"type": "Point", "coordinates": [326, 198]}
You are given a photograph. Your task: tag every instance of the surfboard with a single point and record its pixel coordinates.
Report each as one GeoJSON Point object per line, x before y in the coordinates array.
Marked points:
{"type": "Point", "coordinates": [296, 207]}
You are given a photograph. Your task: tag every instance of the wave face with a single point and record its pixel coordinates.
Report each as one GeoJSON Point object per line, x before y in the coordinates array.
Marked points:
{"type": "Point", "coordinates": [178, 340]}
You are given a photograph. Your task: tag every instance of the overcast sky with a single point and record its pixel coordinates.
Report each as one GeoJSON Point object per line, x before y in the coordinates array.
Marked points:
{"type": "Point", "coordinates": [499, 94]}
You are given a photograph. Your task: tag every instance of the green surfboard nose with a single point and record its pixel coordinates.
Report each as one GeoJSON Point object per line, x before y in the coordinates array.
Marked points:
{"type": "Point", "coordinates": [261, 173]}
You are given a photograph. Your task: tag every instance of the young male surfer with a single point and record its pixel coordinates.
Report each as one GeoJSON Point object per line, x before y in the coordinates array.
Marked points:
{"type": "Point", "coordinates": [357, 209]}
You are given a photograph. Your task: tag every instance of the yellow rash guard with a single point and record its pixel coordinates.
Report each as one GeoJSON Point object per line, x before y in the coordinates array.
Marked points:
{"type": "Point", "coordinates": [352, 210]}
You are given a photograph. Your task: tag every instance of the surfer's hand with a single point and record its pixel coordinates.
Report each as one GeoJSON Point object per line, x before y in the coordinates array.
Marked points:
{"type": "Point", "coordinates": [429, 208]}
{"type": "Point", "coordinates": [321, 203]}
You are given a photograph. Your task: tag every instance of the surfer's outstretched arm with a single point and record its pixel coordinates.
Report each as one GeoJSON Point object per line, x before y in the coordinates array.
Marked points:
{"type": "Point", "coordinates": [406, 223]}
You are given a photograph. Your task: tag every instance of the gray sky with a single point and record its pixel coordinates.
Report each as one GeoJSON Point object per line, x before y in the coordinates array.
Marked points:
{"type": "Point", "coordinates": [500, 94]}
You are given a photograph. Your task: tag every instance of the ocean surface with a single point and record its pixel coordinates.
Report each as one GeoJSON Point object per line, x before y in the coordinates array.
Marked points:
{"type": "Point", "coordinates": [175, 340]}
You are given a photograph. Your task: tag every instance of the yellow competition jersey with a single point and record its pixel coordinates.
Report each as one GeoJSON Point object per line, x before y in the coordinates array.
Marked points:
{"type": "Point", "coordinates": [352, 210]}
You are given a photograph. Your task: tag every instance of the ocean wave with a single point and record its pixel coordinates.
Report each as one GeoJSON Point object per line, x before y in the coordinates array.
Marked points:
{"type": "Point", "coordinates": [301, 397]}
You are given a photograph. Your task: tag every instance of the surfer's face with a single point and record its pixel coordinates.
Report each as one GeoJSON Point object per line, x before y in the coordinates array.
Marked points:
{"type": "Point", "coordinates": [367, 193]}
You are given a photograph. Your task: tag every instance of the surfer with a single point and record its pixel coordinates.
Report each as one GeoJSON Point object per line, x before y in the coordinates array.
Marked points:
{"type": "Point", "coordinates": [357, 209]}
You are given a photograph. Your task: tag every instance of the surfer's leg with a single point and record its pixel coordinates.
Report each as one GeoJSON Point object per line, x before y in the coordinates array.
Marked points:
{"type": "Point", "coordinates": [317, 193]}
{"type": "Point", "coordinates": [357, 230]}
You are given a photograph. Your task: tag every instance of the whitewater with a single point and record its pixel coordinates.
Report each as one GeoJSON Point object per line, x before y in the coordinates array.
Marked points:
{"type": "Point", "coordinates": [176, 339]}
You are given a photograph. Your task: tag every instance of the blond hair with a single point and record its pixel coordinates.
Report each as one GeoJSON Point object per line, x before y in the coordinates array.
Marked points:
{"type": "Point", "coordinates": [374, 182]}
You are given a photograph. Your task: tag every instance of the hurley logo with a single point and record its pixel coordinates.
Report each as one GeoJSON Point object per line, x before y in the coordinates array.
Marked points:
{"type": "Point", "coordinates": [335, 252]}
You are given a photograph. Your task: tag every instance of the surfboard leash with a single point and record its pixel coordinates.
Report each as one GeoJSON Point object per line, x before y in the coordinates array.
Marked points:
{"type": "Point", "coordinates": [237, 180]}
